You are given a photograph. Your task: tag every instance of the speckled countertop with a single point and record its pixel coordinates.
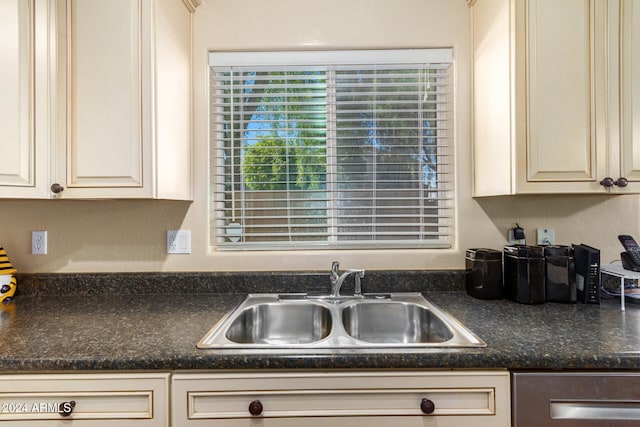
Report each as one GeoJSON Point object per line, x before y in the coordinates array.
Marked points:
{"type": "Point", "coordinates": [94, 327]}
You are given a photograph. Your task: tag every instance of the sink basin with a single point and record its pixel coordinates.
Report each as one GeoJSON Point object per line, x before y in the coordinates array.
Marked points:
{"type": "Point", "coordinates": [306, 323]}
{"type": "Point", "coordinates": [394, 322]}
{"type": "Point", "coordinates": [280, 324]}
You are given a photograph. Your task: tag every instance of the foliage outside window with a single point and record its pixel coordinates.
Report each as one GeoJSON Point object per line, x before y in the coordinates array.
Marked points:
{"type": "Point", "coordinates": [317, 152]}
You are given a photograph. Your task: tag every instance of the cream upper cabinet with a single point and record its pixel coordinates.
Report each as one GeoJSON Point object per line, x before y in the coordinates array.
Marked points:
{"type": "Point", "coordinates": [24, 104]}
{"type": "Point", "coordinates": [545, 97]}
{"type": "Point", "coordinates": [630, 89]}
{"type": "Point", "coordinates": [99, 99]}
{"type": "Point", "coordinates": [124, 110]}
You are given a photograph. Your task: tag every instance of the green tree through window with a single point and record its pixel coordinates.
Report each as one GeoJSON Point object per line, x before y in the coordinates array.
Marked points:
{"type": "Point", "coordinates": [288, 149]}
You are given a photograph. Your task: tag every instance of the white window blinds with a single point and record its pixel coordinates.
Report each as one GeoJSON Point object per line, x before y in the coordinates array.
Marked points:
{"type": "Point", "coordinates": [331, 149]}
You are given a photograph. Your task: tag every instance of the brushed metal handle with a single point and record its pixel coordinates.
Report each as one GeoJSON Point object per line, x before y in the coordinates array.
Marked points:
{"type": "Point", "coordinates": [592, 410]}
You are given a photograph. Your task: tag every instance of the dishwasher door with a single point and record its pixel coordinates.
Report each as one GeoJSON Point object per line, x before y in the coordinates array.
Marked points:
{"type": "Point", "coordinates": [576, 399]}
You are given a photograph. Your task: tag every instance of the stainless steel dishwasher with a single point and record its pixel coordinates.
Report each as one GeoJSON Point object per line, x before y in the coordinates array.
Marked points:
{"type": "Point", "coordinates": [572, 399]}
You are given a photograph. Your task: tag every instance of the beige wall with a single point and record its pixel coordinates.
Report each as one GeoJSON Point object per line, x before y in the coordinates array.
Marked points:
{"type": "Point", "coordinates": [87, 236]}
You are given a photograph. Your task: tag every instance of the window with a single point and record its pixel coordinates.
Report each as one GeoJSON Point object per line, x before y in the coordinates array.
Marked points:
{"type": "Point", "coordinates": [331, 149]}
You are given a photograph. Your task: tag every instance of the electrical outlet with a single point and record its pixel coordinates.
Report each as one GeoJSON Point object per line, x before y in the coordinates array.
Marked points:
{"type": "Point", "coordinates": [39, 242]}
{"type": "Point", "coordinates": [178, 241]}
{"type": "Point", "coordinates": [546, 236]}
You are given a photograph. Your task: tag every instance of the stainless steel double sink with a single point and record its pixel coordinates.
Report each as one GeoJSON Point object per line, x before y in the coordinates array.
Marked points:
{"type": "Point", "coordinates": [308, 323]}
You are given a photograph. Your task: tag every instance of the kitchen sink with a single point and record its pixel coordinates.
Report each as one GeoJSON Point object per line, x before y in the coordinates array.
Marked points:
{"type": "Point", "coordinates": [310, 323]}
{"type": "Point", "coordinates": [394, 322]}
{"type": "Point", "coordinates": [280, 324]}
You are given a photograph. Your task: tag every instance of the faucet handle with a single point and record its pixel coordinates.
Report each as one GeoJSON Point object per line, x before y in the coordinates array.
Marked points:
{"type": "Point", "coordinates": [335, 270]}
{"type": "Point", "coordinates": [358, 284]}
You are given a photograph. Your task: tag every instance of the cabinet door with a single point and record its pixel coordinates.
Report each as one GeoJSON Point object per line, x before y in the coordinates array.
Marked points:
{"type": "Point", "coordinates": [542, 102]}
{"type": "Point", "coordinates": [104, 58]}
{"type": "Point", "coordinates": [493, 97]}
{"type": "Point", "coordinates": [85, 400]}
{"type": "Point", "coordinates": [23, 111]}
{"type": "Point", "coordinates": [563, 44]}
{"type": "Point", "coordinates": [630, 90]}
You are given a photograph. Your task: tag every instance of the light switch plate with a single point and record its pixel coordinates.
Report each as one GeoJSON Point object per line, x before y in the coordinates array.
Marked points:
{"type": "Point", "coordinates": [178, 241]}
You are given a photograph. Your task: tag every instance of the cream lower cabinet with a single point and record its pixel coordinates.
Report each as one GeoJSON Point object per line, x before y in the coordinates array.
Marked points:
{"type": "Point", "coordinates": [342, 398]}
{"type": "Point", "coordinates": [99, 101]}
{"type": "Point", "coordinates": [546, 98]}
{"type": "Point", "coordinates": [84, 400]}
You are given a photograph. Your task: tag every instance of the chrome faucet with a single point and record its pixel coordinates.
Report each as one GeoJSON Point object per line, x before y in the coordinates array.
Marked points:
{"type": "Point", "coordinates": [338, 279]}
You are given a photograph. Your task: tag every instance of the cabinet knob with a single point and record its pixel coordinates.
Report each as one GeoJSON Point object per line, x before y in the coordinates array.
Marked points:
{"type": "Point", "coordinates": [427, 406]}
{"type": "Point", "coordinates": [607, 182]}
{"type": "Point", "coordinates": [57, 188]}
{"type": "Point", "coordinates": [622, 182]}
{"type": "Point", "coordinates": [66, 408]}
{"type": "Point", "coordinates": [255, 408]}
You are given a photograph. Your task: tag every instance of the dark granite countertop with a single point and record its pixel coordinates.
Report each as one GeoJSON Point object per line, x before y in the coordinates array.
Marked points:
{"type": "Point", "coordinates": [40, 332]}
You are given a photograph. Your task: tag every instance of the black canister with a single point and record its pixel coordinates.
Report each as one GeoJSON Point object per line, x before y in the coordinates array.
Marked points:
{"type": "Point", "coordinates": [560, 274]}
{"type": "Point", "coordinates": [484, 273]}
{"type": "Point", "coordinates": [524, 274]}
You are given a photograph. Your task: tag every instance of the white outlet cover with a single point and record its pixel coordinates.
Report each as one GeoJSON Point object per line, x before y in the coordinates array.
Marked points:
{"type": "Point", "coordinates": [39, 242]}
{"type": "Point", "coordinates": [546, 236]}
{"type": "Point", "coordinates": [178, 241]}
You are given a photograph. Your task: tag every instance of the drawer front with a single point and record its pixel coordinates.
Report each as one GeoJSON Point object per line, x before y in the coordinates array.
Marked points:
{"type": "Point", "coordinates": [85, 399]}
{"type": "Point", "coordinates": [334, 403]}
{"type": "Point", "coordinates": [285, 398]}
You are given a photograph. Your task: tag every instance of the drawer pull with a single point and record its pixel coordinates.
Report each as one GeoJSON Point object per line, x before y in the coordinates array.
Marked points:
{"type": "Point", "coordinates": [255, 408]}
{"type": "Point", "coordinates": [622, 182]}
{"type": "Point", "coordinates": [57, 188]}
{"type": "Point", "coordinates": [607, 182]}
{"type": "Point", "coordinates": [66, 408]}
{"type": "Point", "coordinates": [427, 406]}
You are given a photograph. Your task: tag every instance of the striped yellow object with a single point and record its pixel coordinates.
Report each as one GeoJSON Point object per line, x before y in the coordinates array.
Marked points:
{"type": "Point", "coordinates": [6, 268]}
{"type": "Point", "coordinates": [5, 264]}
